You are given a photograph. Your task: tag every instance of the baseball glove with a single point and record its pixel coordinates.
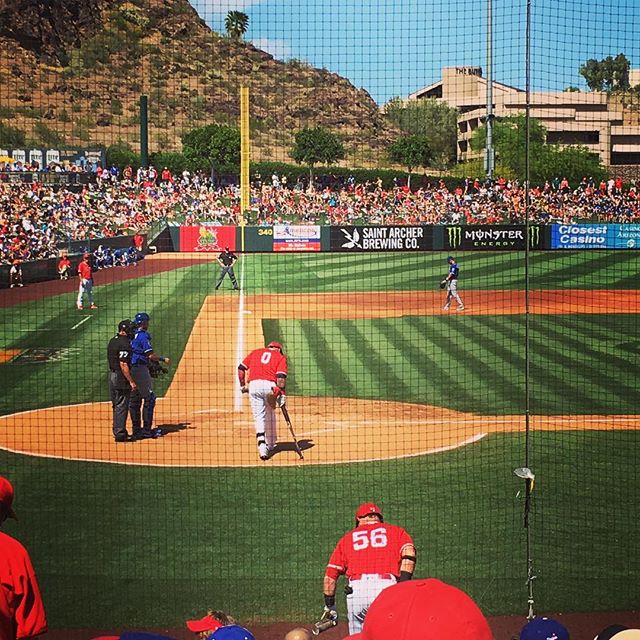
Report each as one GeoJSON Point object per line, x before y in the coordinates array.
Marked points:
{"type": "Point", "coordinates": [156, 370]}
{"type": "Point", "coordinates": [443, 284]}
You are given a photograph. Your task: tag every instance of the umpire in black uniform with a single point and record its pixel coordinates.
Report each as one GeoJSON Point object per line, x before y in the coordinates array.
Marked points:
{"type": "Point", "coordinates": [226, 260]}
{"type": "Point", "coordinates": [120, 381]}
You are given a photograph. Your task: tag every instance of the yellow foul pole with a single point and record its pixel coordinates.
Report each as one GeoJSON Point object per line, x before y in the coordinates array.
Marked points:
{"type": "Point", "coordinates": [245, 156]}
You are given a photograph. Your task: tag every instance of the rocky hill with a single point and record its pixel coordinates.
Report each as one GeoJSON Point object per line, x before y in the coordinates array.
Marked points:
{"type": "Point", "coordinates": [72, 73]}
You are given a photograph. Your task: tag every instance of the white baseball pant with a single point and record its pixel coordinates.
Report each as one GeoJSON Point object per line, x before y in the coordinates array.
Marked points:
{"type": "Point", "coordinates": [264, 416]}
{"type": "Point", "coordinates": [452, 288]}
{"type": "Point", "coordinates": [365, 591]}
{"type": "Point", "coordinates": [86, 286]}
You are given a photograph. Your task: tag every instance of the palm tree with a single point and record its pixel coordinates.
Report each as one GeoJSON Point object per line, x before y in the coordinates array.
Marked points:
{"type": "Point", "coordinates": [236, 24]}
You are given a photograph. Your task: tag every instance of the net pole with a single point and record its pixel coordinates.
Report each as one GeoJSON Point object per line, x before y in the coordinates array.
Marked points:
{"type": "Point", "coordinates": [527, 380]}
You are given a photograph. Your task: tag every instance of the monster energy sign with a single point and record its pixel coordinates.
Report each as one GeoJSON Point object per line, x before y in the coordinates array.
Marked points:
{"type": "Point", "coordinates": [492, 237]}
{"type": "Point", "coordinates": [382, 238]}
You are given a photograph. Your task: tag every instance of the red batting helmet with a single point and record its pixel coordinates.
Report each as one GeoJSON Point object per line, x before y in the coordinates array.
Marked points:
{"type": "Point", "coordinates": [274, 345]}
{"type": "Point", "coordinates": [368, 509]}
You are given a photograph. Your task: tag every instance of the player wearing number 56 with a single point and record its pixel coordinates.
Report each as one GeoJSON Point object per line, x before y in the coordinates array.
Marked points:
{"type": "Point", "coordinates": [267, 369]}
{"type": "Point", "coordinates": [372, 557]}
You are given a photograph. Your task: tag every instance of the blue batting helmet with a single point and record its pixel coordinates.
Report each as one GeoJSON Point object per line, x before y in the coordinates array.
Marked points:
{"type": "Point", "coordinates": [232, 632]}
{"type": "Point", "coordinates": [141, 317]}
{"type": "Point", "coordinates": [450, 258]}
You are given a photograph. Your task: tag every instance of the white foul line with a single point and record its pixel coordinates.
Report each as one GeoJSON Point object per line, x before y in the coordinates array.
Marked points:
{"type": "Point", "coordinates": [75, 326]}
{"type": "Point", "coordinates": [237, 394]}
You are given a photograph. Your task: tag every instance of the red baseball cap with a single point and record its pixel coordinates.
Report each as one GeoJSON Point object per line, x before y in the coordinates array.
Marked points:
{"type": "Point", "coordinates": [275, 345]}
{"type": "Point", "coordinates": [368, 509]}
{"type": "Point", "coordinates": [6, 496]}
{"type": "Point", "coordinates": [208, 623]}
{"type": "Point", "coordinates": [424, 610]}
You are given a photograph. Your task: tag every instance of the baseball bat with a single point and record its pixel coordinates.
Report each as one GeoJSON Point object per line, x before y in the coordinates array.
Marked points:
{"type": "Point", "coordinates": [285, 413]}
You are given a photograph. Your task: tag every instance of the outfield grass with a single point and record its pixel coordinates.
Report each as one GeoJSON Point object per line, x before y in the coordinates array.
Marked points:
{"type": "Point", "coordinates": [138, 546]}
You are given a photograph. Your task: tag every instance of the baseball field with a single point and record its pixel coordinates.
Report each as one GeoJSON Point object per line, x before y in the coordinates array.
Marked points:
{"type": "Point", "coordinates": [394, 400]}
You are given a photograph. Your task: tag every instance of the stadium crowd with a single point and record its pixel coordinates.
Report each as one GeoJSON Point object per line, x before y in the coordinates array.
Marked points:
{"type": "Point", "coordinates": [36, 220]}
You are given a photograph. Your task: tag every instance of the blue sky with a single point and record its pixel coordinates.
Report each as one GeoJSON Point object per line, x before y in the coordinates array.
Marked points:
{"type": "Point", "coordinates": [391, 48]}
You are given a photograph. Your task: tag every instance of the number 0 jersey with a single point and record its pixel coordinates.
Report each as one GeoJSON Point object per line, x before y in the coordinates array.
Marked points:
{"type": "Point", "coordinates": [369, 548]}
{"type": "Point", "coordinates": [265, 364]}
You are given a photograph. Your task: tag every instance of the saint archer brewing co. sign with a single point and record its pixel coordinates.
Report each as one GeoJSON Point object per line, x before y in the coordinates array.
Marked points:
{"type": "Point", "coordinates": [381, 238]}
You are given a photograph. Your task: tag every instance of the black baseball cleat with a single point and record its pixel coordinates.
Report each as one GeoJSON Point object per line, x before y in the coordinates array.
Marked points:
{"type": "Point", "coordinates": [125, 438]}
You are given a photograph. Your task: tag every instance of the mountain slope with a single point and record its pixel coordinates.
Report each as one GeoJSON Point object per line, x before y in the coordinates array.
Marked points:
{"type": "Point", "coordinates": [77, 69]}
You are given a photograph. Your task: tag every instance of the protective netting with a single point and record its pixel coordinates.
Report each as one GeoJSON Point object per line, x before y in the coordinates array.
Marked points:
{"type": "Point", "coordinates": [370, 185]}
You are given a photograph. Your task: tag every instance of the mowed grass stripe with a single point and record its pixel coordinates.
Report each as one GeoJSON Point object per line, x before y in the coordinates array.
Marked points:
{"type": "Point", "coordinates": [478, 369]}
{"type": "Point", "coordinates": [427, 381]}
{"type": "Point", "coordinates": [552, 375]}
{"type": "Point", "coordinates": [594, 370]}
{"type": "Point", "coordinates": [564, 390]}
{"type": "Point", "coordinates": [81, 377]}
{"type": "Point", "coordinates": [318, 338]}
{"type": "Point", "coordinates": [437, 365]}
{"type": "Point", "coordinates": [381, 358]}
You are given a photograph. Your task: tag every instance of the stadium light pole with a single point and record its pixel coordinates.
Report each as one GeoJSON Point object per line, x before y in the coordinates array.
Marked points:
{"type": "Point", "coordinates": [144, 131]}
{"type": "Point", "coordinates": [489, 151]}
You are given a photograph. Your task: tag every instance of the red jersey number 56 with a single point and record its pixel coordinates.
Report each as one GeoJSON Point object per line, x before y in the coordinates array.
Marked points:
{"type": "Point", "coordinates": [375, 538]}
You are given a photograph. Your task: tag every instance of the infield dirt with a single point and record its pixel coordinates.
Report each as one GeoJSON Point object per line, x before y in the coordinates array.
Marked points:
{"type": "Point", "coordinates": [208, 425]}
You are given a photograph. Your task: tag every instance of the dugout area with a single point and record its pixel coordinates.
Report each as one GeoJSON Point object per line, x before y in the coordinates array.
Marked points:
{"type": "Point", "coordinates": [393, 399]}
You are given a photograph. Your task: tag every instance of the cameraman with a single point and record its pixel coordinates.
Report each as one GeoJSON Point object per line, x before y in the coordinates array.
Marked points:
{"type": "Point", "coordinates": [121, 383]}
{"type": "Point", "coordinates": [143, 357]}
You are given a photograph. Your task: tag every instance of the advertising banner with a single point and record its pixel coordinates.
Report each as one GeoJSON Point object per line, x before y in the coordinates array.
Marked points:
{"type": "Point", "coordinates": [625, 236]}
{"type": "Point", "coordinates": [208, 238]}
{"type": "Point", "coordinates": [595, 236]}
{"type": "Point", "coordinates": [581, 236]}
{"type": "Point", "coordinates": [491, 237]}
{"type": "Point", "coordinates": [381, 238]}
{"type": "Point", "coordinates": [296, 237]}
{"type": "Point", "coordinates": [81, 157]}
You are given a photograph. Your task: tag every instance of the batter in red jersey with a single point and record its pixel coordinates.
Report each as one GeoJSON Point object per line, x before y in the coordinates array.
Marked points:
{"type": "Point", "coordinates": [373, 556]}
{"type": "Point", "coordinates": [267, 380]}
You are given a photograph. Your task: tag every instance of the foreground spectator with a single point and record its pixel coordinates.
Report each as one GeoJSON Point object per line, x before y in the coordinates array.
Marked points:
{"type": "Point", "coordinates": [22, 612]}
{"type": "Point", "coordinates": [424, 610]}
{"type": "Point", "coordinates": [544, 629]}
{"type": "Point", "coordinates": [206, 625]}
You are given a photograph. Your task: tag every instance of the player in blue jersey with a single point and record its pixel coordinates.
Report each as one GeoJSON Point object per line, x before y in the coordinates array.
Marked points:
{"type": "Point", "coordinates": [451, 283]}
{"type": "Point", "coordinates": [141, 355]}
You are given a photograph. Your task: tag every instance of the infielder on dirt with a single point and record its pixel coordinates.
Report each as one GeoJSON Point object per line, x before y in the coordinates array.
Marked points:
{"type": "Point", "coordinates": [267, 369]}
{"type": "Point", "coordinates": [373, 556]}
{"type": "Point", "coordinates": [451, 284]}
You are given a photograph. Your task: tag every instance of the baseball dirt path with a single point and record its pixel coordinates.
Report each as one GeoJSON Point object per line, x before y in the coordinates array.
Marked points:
{"type": "Point", "coordinates": [209, 424]}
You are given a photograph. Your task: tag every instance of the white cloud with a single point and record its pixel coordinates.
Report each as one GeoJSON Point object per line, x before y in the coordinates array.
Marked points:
{"type": "Point", "coordinates": [208, 8]}
{"type": "Point", "coordinates": [279, 49]}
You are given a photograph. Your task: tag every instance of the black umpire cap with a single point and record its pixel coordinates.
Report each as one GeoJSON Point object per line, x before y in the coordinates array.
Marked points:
{"type": "Point", "coordinates": [125, 325]}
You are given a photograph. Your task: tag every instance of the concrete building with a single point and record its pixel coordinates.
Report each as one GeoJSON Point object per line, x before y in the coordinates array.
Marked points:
{"type": "Point", "coordinates": [595, 120]}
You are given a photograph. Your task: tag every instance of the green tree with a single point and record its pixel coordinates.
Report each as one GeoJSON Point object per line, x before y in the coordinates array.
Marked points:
{"type": "Point", "coordinates": [47, 136]}
{"type": "Point", "coordinates": [608, 74]}
{"type": "Point", "coordinates": [316, 146]}
{"type": "Point", "coordinates": [11, 136]}
{"type": "Point", "coordinates": [176, 162]}
{"type": "Point", "coordinates": [214, 148]}
{"type": "Point", "coordinates": [236, 24]}
{"type": "Point", "coordinates": [411, 151]}
{"type": "Point", "coordinates": [572, 163]}
{"type": "Point", "coordinates": [121, 154]}
{"type": "Point", "coordinates": [435, 120]}
{"type": "Point", "coordinates": [509, 141]}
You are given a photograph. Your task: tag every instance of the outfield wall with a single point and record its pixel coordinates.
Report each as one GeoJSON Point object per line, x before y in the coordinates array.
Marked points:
{"type": "Point", "coordinates": [316, 238]}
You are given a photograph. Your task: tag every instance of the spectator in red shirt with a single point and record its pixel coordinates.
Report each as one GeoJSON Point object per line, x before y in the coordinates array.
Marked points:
{"type": "Point", "coordinates": [22, 612]}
